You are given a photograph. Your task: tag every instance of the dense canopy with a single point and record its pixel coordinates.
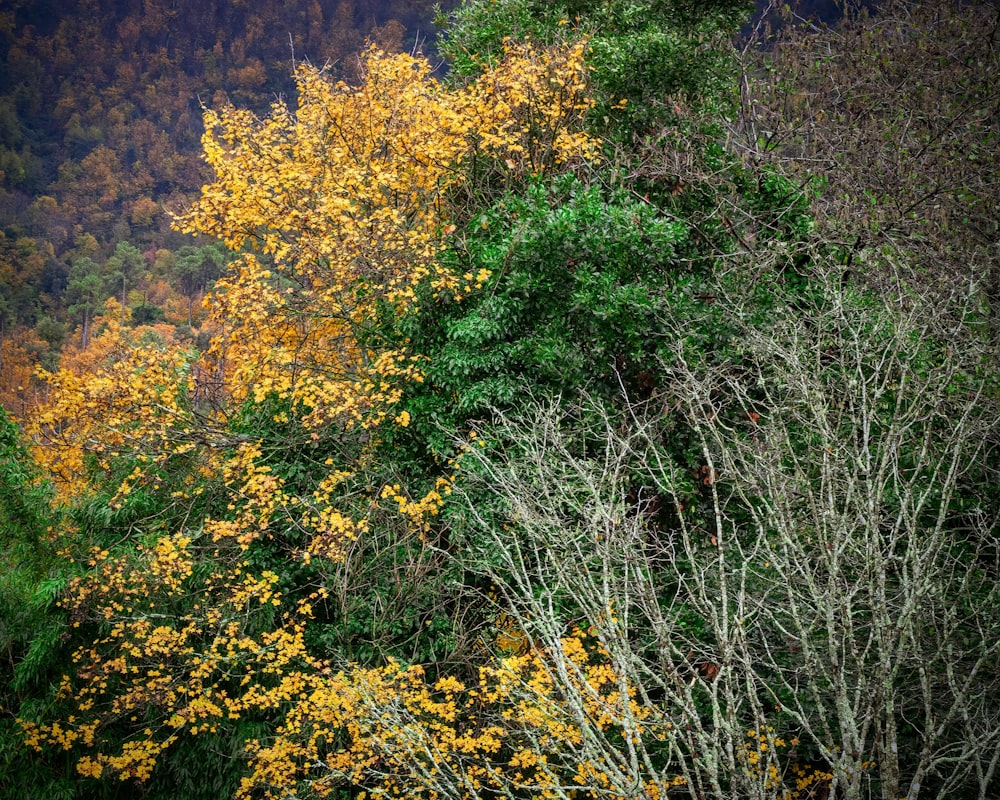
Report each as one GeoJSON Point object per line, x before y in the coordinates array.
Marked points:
{"type": "Point", "coordinates": [614, 413]}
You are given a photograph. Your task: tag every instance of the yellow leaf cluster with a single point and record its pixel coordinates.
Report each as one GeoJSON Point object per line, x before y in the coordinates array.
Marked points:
{"type": "Point", "coordinates": [165, 664]}
{"type": "Point", "coordinates": [783, 776]}
{"type": "Point", "coordinates": [396, 733]}
{"type": "Point", "coordinates": [134, 399]}
{"type": "Point", "coordinates": [344, 204]}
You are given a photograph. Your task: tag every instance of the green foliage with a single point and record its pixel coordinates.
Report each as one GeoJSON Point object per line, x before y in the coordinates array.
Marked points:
{"type": "Point", "coordinates": [32, 648]}
{"type": "Point", "coordinates": [643, 52]}
{"type": "Point", "coordinates": [581, 276]}
{"type": "Point", "coordinates": [23, 503]}
{"type": "Point", "coordinates": [147, 315]}
{"type": "Point", "coordinates": [197, 267]}
{"type": "Point", "coordinates": [204, 767]}
{"type": "Point", "coordinates": [473, 34]}
{"type": "Point", "coordinates": [85, 291]}
{"type": "Point", "coordinates": [577, 275]}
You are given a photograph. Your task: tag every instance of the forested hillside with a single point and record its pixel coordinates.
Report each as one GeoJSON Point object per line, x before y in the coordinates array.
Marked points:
{"type": "Point", "coordinates": [100, 126]}
{"type": "Point", "coordinates": [614, 414]}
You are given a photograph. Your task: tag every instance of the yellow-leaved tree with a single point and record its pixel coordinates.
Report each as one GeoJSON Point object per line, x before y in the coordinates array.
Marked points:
{"type": "Point", "coordinates": [344, 204]}
{"type": "Point", "coordinates": [340, 211]}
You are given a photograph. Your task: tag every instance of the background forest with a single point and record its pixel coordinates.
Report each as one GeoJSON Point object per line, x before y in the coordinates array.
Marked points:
{"type": "Point", "coordinates": [100, 127]}
{"type": "Point", "coordinates": [591, 400]}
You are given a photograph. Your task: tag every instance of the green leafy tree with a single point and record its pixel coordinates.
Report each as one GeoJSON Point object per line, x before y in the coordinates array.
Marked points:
{"type": "Point", "coordinates": [85, 294]}
{"type": "Point", "coordinates": [646, 55]}
{"type": "Point", "coordinates": [125, 267]}
{"type": "Point", "coordinates": [196, 268]}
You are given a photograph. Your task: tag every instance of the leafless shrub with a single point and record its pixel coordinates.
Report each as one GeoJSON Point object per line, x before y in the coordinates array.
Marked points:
{"type": "Point", "coordinates": [823, 574]}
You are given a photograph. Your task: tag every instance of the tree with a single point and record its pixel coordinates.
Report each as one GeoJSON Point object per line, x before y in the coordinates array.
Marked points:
{"type": "Point", "coordinates": [20, 354]}
{"type": "Point", "coordinates": [215, 528]}
{"type": "Point", "coordinates": [815, 601]}
{"type": "Point", "coordinates": [126, 265]}
{"type": "Point", "coordinates": [85, 294]}
{"type": "Point", "coordinates": [196, 269]}
{"type": "Point", "coordinates": [896, 111]}
{"type": "Point", "coordinates": [645, 54]}
{"type": "Point", "coordinates": [346, 241]}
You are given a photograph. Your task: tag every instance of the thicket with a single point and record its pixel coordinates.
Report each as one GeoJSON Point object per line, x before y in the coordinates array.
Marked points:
{"type": "Point", "coordinates": [549, 436]}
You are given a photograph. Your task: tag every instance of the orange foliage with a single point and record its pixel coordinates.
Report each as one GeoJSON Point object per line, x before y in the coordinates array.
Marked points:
{"type": "Point", "coordinates": [20, 391]}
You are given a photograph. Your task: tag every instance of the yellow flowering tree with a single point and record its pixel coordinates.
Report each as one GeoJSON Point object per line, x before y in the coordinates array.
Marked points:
{"type": "Point", "coordinates": [340, 211]}
{"type": "Point", "coordinates": [345, 205]}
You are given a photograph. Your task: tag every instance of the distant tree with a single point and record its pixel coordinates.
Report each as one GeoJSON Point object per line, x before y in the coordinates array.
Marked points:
{"type": "Point", "coordinates": [53, 333]}
{"type": "Point", "coordinates": [897, 112]}
{"type": "Point", "coordinates": [125, 267]}
{"type": "Point", "coordinates": [147, 315]}
{"type": "Point", "coordinates": [196, 268]}
{"type": "Point", "coordinates": [85, 294]}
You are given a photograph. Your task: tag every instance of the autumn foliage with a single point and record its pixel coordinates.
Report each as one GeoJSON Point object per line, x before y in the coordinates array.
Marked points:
{"type": "Point", "coordinates": [345, 205]}
{"type": "Point", "coordinates": [515, 436]}
{"type": "Point", "coordinates": [339, 211]}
